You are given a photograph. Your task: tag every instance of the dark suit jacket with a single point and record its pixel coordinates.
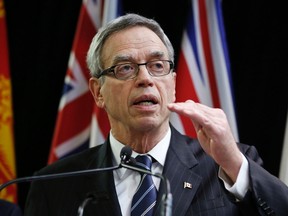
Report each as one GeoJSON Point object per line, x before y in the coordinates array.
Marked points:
{"type": "Point", "coordinates": [185, 162]}
{"type": "Point", "coordinates": [9, 209]}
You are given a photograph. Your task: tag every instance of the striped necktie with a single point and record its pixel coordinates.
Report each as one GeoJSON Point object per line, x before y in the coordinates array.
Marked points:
{"type": "Point", "coordinates": [144, 199]}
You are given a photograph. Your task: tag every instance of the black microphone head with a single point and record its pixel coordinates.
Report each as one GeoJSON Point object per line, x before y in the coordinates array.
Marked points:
{"type": "Point", "coordinates": [125, 154]}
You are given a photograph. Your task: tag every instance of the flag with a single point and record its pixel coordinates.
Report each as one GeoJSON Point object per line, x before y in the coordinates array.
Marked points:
{"type": "Point", "coordinates": [7, 155]}
{"type": "Point", "coordinates": [77, 114]}
{"type": "Point", "coordinates": [203, 65]}
{"type": "Point", "coordinates": [100, 124]}
{"type": "Point", "coordinates": [284, 159]}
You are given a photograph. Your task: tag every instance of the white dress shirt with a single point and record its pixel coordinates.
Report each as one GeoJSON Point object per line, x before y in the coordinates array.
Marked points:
{"type": "Point", "coordinates": [126, 181]}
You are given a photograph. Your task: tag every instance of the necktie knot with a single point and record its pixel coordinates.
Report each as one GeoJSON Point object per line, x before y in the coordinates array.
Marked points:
{"type": "Point", "coordinates": [144, 162]}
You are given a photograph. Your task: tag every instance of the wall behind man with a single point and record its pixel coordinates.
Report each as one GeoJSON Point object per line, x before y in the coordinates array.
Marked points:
{"type": "Point", "coordinates": [41, 35]}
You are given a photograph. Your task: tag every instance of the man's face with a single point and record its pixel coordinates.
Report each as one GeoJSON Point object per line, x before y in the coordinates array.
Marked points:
{"type": "Point", "coordinates": [139, 103]}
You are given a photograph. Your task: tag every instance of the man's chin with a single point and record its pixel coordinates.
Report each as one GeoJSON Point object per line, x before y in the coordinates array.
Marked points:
{"type": "Point", "coordinates": [148, 123]}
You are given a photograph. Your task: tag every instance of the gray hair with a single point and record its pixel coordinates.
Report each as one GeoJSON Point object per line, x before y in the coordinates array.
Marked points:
{"type": "Point", "coordinates": [93, 59]}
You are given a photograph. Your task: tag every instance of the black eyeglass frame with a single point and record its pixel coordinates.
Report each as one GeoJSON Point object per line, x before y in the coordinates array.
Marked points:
{"type": "Point", "coordinates": [111, 70]}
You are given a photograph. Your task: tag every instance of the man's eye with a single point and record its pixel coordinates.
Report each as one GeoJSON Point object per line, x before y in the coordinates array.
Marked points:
{"type": "Point", "coordinates": [124, 69]}
{"type": "Point", "coordinates": [156, 66]}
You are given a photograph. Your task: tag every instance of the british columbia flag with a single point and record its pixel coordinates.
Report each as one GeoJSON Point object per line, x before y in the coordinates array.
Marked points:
{"type": "Point", "coordinates": [203, 66]}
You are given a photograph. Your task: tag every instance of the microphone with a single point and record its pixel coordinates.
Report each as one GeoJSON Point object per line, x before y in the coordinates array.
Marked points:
{"type": "Point", "coordinates": [126, 161]}
{"type": "Point", "coordinates": [57, 175]}
{"type": "Point", "coordinates": [87, 200]}
{"type": "Point", "coordinates": [125, 156]}
{"type": "Point", "coordinates": [129, 162]}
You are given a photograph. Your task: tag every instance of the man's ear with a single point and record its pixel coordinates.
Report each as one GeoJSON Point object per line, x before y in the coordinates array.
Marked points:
{"type": "Point", "coordinates": [95, 87]}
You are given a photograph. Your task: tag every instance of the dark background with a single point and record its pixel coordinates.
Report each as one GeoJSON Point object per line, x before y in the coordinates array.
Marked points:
{"type": "Point", "coordinates": [41, 35]}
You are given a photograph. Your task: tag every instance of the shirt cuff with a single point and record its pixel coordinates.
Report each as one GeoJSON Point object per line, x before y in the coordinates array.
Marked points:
{"type": "Point", "coordinates": [241, 186]}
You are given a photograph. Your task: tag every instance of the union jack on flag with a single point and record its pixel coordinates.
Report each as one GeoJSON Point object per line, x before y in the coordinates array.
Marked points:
{"type": "Point", "coordinates": [80, 122]}
{"type": "Point", "coordinates": [203, 66]}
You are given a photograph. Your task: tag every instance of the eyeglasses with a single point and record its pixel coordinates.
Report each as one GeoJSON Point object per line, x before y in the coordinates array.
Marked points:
{"type": "Point", "coordinates": [127, 71]}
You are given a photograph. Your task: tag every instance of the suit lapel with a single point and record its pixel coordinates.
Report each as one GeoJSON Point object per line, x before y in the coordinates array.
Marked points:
{"type": "Point", "coordinates": [102, 186]}
{"type": "Point", "coordinates": [178, 169]}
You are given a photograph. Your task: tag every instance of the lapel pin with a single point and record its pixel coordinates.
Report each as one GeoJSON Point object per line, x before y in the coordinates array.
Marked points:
{"type": "Point", "coordinates": [187, 185]}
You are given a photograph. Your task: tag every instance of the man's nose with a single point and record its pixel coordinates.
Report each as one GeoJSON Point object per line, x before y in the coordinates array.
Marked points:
{"type": "Point", "coordinates": [143, 77]}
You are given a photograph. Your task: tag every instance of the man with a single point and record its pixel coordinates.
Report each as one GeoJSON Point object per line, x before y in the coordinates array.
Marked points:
{"type": "Point", "coordinates": [133, 79]}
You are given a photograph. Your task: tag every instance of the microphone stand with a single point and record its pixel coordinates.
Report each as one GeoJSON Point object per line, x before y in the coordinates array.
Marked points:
{"type": "Point", "coordinates": [126, 161]}
{"type": "Point", "coordinates": [87, 200]}
{"type": "Point", "coordinates": [57, 175]}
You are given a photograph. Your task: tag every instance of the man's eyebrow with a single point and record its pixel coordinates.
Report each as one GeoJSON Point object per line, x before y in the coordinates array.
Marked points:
{"type": "Point", "coordinates": [129, 58]}
{"type": "Point", "coordinates": [122, 58]}
{"type": "Point", "coordinates": [156, 54]}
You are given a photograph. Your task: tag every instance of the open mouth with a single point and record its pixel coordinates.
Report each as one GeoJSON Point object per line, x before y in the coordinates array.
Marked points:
{"type": "Point", "coordinates": [146, 101]}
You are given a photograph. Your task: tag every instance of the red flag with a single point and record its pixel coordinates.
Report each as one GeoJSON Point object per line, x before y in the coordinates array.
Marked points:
{"type": "Point", "coordinates": [77, 109]}
{"type": "Point", "coordinates": [100, 124]}
{"type": "Point", "coordinates": [203, 65]}
{"type": "Point", "coordinates": [7, 155]}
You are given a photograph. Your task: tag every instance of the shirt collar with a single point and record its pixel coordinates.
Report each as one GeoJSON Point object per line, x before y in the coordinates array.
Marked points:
{"type": "Point", "coordinates": [159, 151]}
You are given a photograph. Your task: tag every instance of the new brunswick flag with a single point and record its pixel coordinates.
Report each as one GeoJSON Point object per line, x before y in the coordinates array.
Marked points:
{"type": "Point", "coordinates": [7, 158]}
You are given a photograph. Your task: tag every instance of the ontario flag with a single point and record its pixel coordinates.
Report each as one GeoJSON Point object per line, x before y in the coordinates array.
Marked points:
{"type": "Point", "coordinates": [79, 120]}
{"type": "Point", "coordinates": [7, 155]}
{"type": "Point", "coordinates": [203, 66]}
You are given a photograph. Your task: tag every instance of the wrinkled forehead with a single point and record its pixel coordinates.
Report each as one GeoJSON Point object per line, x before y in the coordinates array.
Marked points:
{"type": "Point", "coordinates": [133, 43]}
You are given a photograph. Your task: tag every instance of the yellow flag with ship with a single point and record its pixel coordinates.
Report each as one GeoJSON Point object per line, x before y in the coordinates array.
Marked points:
{"type": "Point", "coordinates": [7, 154]}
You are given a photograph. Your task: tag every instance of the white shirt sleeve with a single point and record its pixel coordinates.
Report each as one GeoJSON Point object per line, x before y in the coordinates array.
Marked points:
{"type": "Point", "coordinates": [241, 186]}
